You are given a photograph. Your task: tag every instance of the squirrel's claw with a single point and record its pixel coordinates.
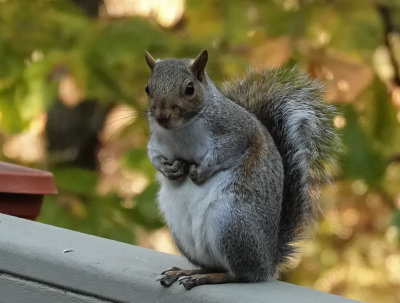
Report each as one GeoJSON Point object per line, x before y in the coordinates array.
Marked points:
{"type": "Point", "coordinates": [166, 280]}
{"type": "Point", "coordinates": [173, 268]}
{"type": "Point", "coordinates": [190, 281]}
{"type": "Point", "coordinates": [195, 175]}
{"type": "Point", "coordinates": [169, 276]}
{"type": "Point", "coordinates": [174, 170]}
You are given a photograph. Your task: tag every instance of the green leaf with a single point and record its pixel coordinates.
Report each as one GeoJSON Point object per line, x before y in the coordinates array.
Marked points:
{"type": "Point", "coordinates": [11, 120]}
{"type": "Point", "coordinates": [396, 219]}
{"type": "Point", "coordinates": [76, 180]}
{"type": "Point", "coordinates": [365, 33]}
{"type": "Point", "coordinates": [138, 159]}
{"type": "Point", "coordinates": [146, 211]}
{"type": "Point", "coordinates": [104, 217]}
{"type": "Point", "coordinates": [361, 161]}
{"type": "Point", "coordinates": [384, 126]}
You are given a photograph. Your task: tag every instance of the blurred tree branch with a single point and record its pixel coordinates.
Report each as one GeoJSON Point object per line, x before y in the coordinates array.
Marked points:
{"type": "Point", "coordinates": [394, 159]}
{"type": "Point", "coordinates": [89, 7]}
{"type": "Point", "coordinates": [389, 29]}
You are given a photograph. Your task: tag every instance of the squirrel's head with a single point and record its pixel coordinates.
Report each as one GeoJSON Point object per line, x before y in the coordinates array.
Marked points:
{"type": "Point", "coordinates": [175, 89]}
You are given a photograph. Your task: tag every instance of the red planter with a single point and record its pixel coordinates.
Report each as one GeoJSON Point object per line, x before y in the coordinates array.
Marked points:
{"type": "Point", "coordinates": [22, 190]}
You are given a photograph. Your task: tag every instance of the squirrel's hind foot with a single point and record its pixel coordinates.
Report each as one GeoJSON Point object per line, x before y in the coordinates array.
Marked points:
{"type": "Point", "coordinates": [200, 279]}
{"type": "Point", "coordinates": [169, 276]}
{"type": "Point", "coordinates": [190, 278]}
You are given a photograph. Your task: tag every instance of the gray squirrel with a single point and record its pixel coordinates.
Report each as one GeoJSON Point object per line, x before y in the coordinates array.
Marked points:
{"type": "Point", "coordinates": [238, 168]}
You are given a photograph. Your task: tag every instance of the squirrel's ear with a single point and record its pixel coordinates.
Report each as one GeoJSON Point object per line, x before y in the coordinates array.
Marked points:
{"type": "Point", "coordinates": [151, 62]}
{"type": "Point", "coordinates": [199, 64]}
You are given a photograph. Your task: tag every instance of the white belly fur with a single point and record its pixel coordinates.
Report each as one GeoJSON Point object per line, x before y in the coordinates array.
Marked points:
{"type": "Point", "coordinates": [193, 214]}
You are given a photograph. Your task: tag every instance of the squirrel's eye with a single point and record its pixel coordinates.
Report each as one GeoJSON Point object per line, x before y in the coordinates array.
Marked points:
{"type": "Point", "coordinates": [189, 90]}
{"type": "Point", "coordinates": [147, 89]}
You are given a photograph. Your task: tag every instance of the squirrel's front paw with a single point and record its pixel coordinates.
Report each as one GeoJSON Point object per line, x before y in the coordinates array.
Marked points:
{"type": "Point", "coordinates": [196, 175]}
{"type": "Point", "coordinates": [175, 170]}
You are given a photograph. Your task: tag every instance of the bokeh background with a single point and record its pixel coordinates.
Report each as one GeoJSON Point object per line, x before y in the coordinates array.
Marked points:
{"type": "Point", "coordinates": [72, 101]}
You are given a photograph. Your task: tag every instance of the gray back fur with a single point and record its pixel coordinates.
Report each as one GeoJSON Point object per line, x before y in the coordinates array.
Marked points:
{"type": "Point", "coordinates": [290, 106]}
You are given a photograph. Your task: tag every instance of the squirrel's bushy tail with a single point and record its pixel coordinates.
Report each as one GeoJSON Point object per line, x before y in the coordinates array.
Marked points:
{"type": "Point", "coordinates": [290, 105]}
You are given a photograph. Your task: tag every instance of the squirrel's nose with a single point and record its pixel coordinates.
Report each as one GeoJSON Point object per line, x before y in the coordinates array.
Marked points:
{"type": "Point", "coordinates": [164, 119]}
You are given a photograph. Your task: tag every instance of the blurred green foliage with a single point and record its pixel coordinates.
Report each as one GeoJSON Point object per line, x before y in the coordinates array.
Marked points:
{"type": "Point", "coordinates": [45, 44]}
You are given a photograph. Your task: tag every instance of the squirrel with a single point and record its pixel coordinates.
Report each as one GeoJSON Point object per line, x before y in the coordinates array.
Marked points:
{"type": "Point", "coordinates": [238, 168]}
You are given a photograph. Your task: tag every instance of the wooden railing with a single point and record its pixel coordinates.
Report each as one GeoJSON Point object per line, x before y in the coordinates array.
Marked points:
{"type": "Point", "coordinates": [46, 264]}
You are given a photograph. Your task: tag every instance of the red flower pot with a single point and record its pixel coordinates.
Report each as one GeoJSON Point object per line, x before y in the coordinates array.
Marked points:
{"type": "Point", "coordinates": [22, 190]}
